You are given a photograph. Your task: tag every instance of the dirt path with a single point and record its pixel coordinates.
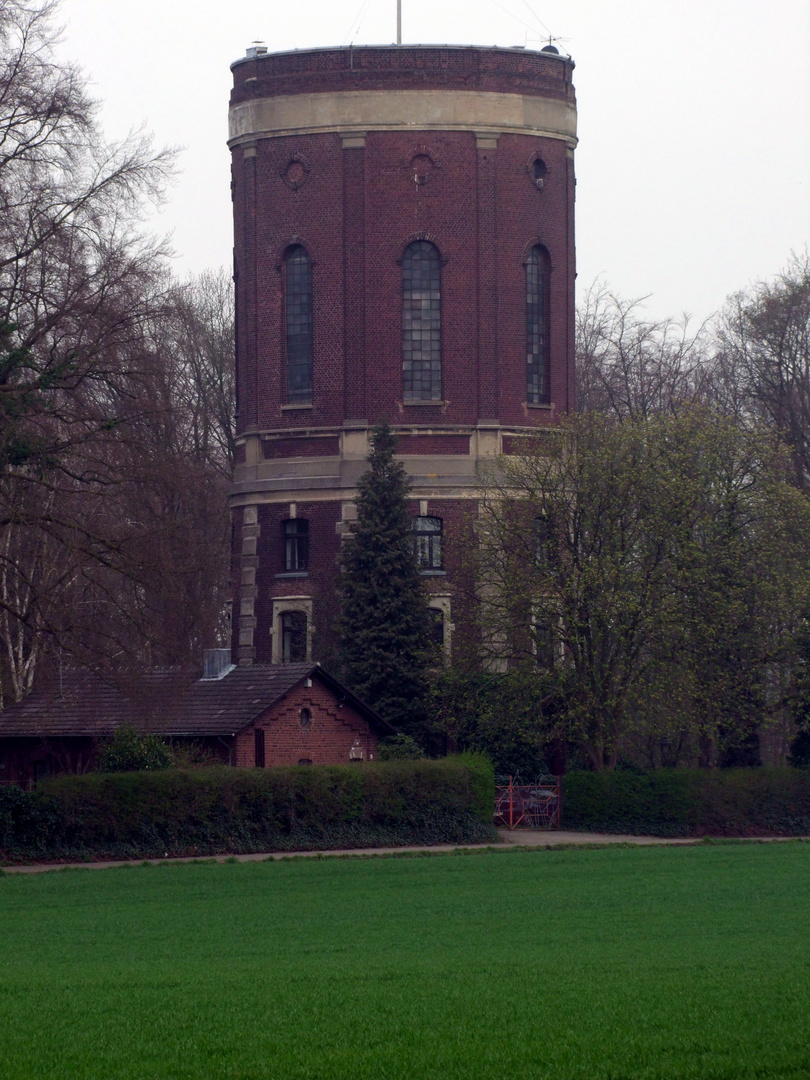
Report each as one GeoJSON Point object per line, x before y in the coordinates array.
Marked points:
{"type": "Point", "coordinates": [519, 837]}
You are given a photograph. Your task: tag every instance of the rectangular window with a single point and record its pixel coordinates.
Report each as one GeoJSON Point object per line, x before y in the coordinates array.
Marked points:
{"type": "Point", "coordinates": [427, 542]}
{"type": "Point", "coordinates": [296, 545]}
{"type": "Point", "coordinates": [545, 542]}
{"type": "Point", "coordinates": [545, 644]}
{"type": "Point", "coordinates": [436, 628]}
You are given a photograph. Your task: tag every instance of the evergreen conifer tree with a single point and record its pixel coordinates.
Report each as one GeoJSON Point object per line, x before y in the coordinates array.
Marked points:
{"type": "Point", "coordinates": [384, 625]}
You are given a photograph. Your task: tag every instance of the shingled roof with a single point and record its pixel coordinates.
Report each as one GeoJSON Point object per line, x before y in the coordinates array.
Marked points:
{"type": "Point", "coordinates": [165, 702]}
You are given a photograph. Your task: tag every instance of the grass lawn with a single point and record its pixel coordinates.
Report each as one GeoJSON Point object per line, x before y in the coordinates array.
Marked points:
{"type": "Point", "coordinates": [612, 963]}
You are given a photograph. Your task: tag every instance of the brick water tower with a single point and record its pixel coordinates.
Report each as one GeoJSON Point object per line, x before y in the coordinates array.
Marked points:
{"type": "Point", "coordinates": [403, 250]}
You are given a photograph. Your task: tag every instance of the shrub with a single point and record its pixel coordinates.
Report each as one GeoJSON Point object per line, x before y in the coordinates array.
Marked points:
{"type": "Point", "coordinates": [129, 751]}
{"type": "Point", "coordinates": [210, 810]}
{"type": "Point", "coordinates": [399, 746]}
{"type": "Point", "coordinates": [690, 802]}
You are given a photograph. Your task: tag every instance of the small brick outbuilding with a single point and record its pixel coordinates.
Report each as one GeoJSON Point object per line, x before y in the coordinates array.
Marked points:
{"type": "Point", "coordinates": [257, 716]}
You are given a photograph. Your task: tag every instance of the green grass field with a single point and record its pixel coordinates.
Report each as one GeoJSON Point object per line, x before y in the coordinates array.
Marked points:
{"type": "Point", "coordinates": [619, 962]}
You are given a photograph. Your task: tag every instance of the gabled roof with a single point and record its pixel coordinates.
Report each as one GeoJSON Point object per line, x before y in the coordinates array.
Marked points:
{"type": "Point", "coordinates": [165, 702]}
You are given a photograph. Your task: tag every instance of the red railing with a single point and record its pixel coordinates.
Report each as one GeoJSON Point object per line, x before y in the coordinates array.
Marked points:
{"type": "Point", "coordinates": [531, 806]}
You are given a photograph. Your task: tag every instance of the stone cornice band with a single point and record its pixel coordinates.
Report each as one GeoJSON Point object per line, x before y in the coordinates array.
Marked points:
{"type": "Point", "coordinates": [392, 110]}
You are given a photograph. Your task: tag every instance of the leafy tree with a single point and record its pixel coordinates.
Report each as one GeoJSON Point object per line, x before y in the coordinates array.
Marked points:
{"type": "Point", "coordinates": [654, 568]}
{"type": "Point", "coordinates": [384, 625]}
{"type": "Point", "coordinates": [508, 715]}
{"type": "Point", "coordinates": [400, 747]}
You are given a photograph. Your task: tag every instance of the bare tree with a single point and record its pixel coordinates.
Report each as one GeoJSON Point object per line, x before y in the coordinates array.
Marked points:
{"type": "Point", "coordinates": [116, 437]}
{"type": "Point", "coordinates": [77, 273]}
{"type": "Point", "coordinates": [203, 333]}
{"type": "Point", "coordinates": [763, 354]}
{"type": "Point", "coordinates": [631, 368]}
{"type": "Point", "coordinates": [137, 511]}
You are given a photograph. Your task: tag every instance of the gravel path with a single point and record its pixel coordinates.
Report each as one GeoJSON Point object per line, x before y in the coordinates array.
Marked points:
{"type": "Point", "coordinates": [519, 837]}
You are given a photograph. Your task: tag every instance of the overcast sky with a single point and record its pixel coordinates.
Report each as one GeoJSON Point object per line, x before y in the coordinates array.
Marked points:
{"type": "Point", "coordinates": [694, 118]}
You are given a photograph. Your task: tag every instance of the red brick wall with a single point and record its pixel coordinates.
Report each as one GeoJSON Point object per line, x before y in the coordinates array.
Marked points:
{"type": "Point", "coordinates": [433, 444]}
{"type": "Point", "coordinates": [324, 550]}
{"type": "Point", "coordinates": [301, 446]}
{"type": "Point", "coordinates": [327, 741]}
{"type": "Point", "coordinates": [324, 546]}
{"type": "Point", "coordinates": [381, 68]}
{"type": "Point", "coordinates": [357, 211]}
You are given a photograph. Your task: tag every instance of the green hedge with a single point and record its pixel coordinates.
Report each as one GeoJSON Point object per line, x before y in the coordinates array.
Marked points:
{"type": "Point", "coordinates": [690, 802]}
{"type": "Point", "coordinates": [208, 811]}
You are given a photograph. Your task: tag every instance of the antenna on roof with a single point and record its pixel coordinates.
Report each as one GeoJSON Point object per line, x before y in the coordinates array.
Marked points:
{"type": "Point", "coordinates": [399, 22]}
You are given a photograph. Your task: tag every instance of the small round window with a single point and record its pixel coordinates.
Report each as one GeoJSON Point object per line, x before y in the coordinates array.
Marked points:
{"type": "Point", "coordinates": [305, 718]}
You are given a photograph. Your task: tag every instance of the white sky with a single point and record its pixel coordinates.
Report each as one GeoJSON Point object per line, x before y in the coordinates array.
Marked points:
{"type": "Point", "coordinates": [694, 118]}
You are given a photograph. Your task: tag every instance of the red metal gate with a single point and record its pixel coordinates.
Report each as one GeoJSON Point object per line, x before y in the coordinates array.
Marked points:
{"type": "Point", "coordinates": [534, 805]}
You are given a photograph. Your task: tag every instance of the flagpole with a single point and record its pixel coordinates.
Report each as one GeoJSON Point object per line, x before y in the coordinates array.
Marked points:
{"type": "Point", "coordinates": [399, 22]}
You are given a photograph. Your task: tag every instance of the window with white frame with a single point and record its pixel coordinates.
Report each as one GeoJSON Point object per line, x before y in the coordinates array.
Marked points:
{"type": "Point", "coordinates": [298, 324]}
{"type": "Point", "coordinates": [421, 322]}
{"type": "Point", "coordinates": [292, 630]}
{"type": "Point", "coordinates": [427, 542]}
{"type": "Point", "coordinates": [538, 390]}
{"type": "Point", "coordinates": [296, 545]}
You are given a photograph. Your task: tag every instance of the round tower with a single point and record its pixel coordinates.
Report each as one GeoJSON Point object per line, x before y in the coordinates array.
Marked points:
{"type": "Point", "coordinates": [403, 250]}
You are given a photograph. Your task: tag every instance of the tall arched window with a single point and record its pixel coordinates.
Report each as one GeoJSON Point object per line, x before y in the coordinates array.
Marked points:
{"type": "Point", "coordinates": [421, 323]}
{"type": "Point", "coordinates": [293, 637]}
{"type": "Point", "coordinates": [538, 391]}
{"type": "Point", "coordinates": [298, 315]}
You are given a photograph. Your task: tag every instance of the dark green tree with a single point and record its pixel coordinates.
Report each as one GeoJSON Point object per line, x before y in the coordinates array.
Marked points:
{"type": "Point", "coordinates": [384, 624]}
{"type": "Point", "coordinates": [130, 751]}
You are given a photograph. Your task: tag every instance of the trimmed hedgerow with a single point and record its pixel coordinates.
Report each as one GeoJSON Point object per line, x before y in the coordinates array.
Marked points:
{"type": "Point", "coordinates": [207, 811]}
{"type": "Point", "coordinates": [690, 802]}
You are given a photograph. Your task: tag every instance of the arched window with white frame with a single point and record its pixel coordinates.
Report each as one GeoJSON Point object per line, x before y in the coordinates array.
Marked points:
{"type": "Point", "coordinates": [538, 362]}
{"type": "Point", "coordinates": [421, 322]}
{"type": "Point", "coordinates": [298, 324]}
